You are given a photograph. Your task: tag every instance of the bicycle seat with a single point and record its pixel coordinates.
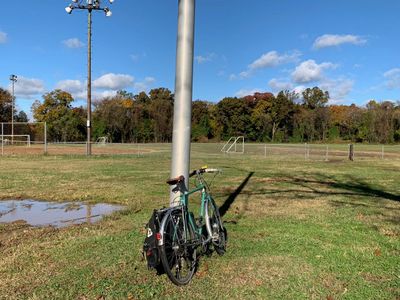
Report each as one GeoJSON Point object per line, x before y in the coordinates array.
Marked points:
{"type": "Point", "coordinates": [176, 180]}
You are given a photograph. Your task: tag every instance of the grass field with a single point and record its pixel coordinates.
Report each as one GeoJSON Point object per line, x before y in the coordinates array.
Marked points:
{"type": "Point", "coordinates": [297, 229]}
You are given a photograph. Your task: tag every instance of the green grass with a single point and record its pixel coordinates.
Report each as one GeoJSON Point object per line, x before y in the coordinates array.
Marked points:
{"type": "Point", "coordinates": [297, 230]}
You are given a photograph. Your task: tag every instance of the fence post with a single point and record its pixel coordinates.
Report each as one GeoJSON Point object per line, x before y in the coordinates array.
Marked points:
{"type": "Point", "coordinates": [351, 152]}
{"type": "Point", "coordinates": [305, 151]}
{"type": "Point", "coordinates": [383, 152]}
{"type": "Point", "coordinates": [45, 137]}
{"type": "Point", "coordinates": [265, 150]}
{"type": "Point", "coordinates": [327, 153]}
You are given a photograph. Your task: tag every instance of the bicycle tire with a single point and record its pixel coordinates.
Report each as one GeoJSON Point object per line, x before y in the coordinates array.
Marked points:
{"type": "Point", "coordinates": [215, 226]}
{"type": "Point", "coordinates": [178, 258]}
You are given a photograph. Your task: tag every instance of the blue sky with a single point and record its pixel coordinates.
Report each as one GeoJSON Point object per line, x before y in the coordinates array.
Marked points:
{"type": "Point", "coordinates": [350, 48]}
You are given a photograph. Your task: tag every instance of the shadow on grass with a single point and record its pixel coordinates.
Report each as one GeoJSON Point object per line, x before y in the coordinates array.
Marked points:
{"type": "Point", "coordinates": [354, 192]}
{"type": "Point", "coordinates": [317, 185]}
{"type": "Point", "coordinates": [351, 186]}
{"type": "Point", "coordinates": [231, 198]}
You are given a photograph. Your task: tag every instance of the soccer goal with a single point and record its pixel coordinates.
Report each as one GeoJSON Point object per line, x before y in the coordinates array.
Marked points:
{"type": "Point", "coordinates": [14, 136]}
{"type": "Point", "coordinates": [102, 140]}
{"type": "Point", "coordinates": [16, 139]}
{"type": "Point", "coordinates": [234, 145]}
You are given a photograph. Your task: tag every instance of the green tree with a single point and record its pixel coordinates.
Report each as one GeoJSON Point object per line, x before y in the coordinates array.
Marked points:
{"type": "Point", "coordinates": [315, 97]}
{"type": "Point", "coordinates": [63, 122]}
{"type": "Point", "coordinates": [260, 118]}
{"type": "Point", "coordinates": [282, 111]}
{"type": "Point", "coordinates": [201, 128]}
{"type": "Point", "coordinates": [5, 105]}
{"type": "Point", "coordinates": [161, 112]}
{"type": "Point", "coordinates": [233, 115]}
{"type": "Point", "coordinates": [21, 117]}
{"type": "Point", "coordinates": [110, 118]}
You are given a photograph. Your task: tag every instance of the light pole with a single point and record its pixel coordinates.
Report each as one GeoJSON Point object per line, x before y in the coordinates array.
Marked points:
{"type": "Point", "coordinates": [13, 79]}
{"type": "Point", "coordinates": [183, 94]}
{"type": "Point", "coordinates": [89, 5]}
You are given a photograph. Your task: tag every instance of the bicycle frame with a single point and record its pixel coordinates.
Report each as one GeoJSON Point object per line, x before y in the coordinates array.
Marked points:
{"type": "Point", "coordinates": [184, 205]}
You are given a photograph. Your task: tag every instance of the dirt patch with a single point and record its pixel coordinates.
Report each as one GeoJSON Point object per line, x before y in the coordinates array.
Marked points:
{"type": "Point", "coordinates": [74, 150]}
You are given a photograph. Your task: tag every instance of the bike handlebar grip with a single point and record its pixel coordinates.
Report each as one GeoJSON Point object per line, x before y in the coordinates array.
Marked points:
{"type": "Point", "coordinates": [205, 170]}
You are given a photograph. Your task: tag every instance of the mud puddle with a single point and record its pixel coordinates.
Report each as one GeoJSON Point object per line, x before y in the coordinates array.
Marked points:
{"type": "Point", "coordinates": [41, 213]}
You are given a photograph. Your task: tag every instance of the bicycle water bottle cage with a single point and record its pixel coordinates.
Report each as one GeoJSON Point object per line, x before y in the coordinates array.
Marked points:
{"type": "Point", "coordinates": [176, 180]}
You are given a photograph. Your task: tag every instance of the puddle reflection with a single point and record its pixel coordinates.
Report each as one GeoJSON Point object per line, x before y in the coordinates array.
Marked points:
{"type": "Point", "coordinates": [40, 213]}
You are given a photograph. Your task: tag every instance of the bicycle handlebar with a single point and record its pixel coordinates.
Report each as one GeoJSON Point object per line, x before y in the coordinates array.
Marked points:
{"type": "Point", "coordinates": [203, 170]}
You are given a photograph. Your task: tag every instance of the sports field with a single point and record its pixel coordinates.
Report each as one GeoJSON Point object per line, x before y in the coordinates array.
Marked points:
{"type": "Point", "coordinates": [297, 228]}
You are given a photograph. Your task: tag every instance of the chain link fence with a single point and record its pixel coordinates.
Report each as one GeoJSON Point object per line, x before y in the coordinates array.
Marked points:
{"type": "Point", "coordinates": [306, 152]}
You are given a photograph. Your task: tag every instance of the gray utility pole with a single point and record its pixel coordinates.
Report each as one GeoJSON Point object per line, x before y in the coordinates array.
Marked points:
{"type": "Point", "coordinates": [90, 6]}
{"type": "Point", "coordinates": [183, 94]}
{"type": "Point", "coordinates": [13, 79]}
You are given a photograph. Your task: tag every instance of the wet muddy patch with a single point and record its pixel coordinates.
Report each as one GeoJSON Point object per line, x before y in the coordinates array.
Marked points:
{"type": "Point", "coordinates": [41, 213]}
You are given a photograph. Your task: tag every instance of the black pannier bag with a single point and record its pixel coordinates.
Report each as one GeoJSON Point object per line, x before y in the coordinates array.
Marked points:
{"type": "Point", "coordinates": [151, 249]}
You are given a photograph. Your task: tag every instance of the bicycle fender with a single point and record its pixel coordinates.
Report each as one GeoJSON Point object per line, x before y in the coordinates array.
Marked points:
{"type": "Point", "coordinates": [162, 225]}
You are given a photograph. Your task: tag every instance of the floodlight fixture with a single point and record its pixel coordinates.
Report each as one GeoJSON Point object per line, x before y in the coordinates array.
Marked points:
{"type": "Point", "coordinates": [108, 12]}
{"type": "Point", "coordinates": [69, 9]}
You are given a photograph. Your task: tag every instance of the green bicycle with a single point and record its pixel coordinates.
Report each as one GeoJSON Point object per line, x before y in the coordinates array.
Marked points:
{"type": "Point", "coordinates": [184, 237]}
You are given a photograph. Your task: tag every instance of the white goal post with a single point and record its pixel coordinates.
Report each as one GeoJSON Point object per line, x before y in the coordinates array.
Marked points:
{"type": "Point", "coordinates": [21, 133]}
{"type": "Point", "coordinates": [102, 140]}
{"type": "Point", "coordinates": [16, 139]}
{"type": "Point", "coordinates": [234, 145]}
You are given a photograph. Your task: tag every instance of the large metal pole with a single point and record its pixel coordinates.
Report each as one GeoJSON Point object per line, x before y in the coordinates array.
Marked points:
{"type": "Point", "coordinates": [89, 86]}
{"type": "Point", "coordinates": [13, 79]}
{"type": "Point", "coordinates": [12, 114]}
{"type": "Point", "coordinates": [183, 94]}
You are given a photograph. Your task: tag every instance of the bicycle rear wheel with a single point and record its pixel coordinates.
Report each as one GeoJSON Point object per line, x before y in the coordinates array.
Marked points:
{"type": "Point", "coordinates": [215, 226]}
{"type": "Point", "coordinates": [177, 255]}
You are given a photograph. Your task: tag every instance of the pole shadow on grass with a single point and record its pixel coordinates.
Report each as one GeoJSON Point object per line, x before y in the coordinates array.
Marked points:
{"type": "Point", "coordinates": [355, 192]}
{"type": "Point", "coordinates": [353, 186]}
{"type": "Point", "coordinates": [231, 198]}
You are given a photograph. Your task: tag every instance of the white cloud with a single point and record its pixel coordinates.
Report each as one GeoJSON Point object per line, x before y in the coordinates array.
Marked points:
{"type": "Point", "coordinates": [338, 89]}
{"type": "Point", "coordinates": [273, 59]}
{"type": "Point", "coordinates": [267, 60]}
{"type": "Point", "coordinates": [29, 87]}
{"type": "Point", "coordinates": [76, 88]}
{"type": "Point", "coordinates": [97, 95]}
{"type": "Point", "coordinates": [299, 90]}
{"type": "Point", "coordinates": [135, 57]}
{"type": "Point", "coordinates": [144, 85]}
{"type": "Point", "coordinates": [73, 43]}
{"type": "Point", "coordinates": [233, 77]}
{"type": "Point", "coordinates": [247, 92]}
{"type": "Point", "coordinates": [309, 71]}
{"type": "Point", "coordinates": [279, 85]}
{"type": "Point", "coordinates": [392, 78]}
{"type": "Point", "coordinates": [200, 59]}
{"type": "Point", "coordinates": [104, 86]}
{"type": "Point", "coordinates": [113, 81]}
{"type": "Point", "coordinates": [70, 86]}
{"type": "Point", "coordinates": [3, 37]}
{"type": "Point", "coordinates": [331, 40]}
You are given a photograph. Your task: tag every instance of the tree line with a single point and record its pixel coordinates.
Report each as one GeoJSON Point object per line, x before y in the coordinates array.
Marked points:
{"type": "Point", "coordinates": [261, 117]}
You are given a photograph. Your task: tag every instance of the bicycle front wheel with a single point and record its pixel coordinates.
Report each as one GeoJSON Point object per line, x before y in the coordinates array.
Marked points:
{"type": "Point", "coordinates": [178, 256]}
{"type": "Point", "coordinates": [215, 226]}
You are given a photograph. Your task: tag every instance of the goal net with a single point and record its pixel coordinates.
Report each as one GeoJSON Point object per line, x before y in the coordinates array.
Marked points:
{"type": "Point", "coordinates": [17, 135]}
